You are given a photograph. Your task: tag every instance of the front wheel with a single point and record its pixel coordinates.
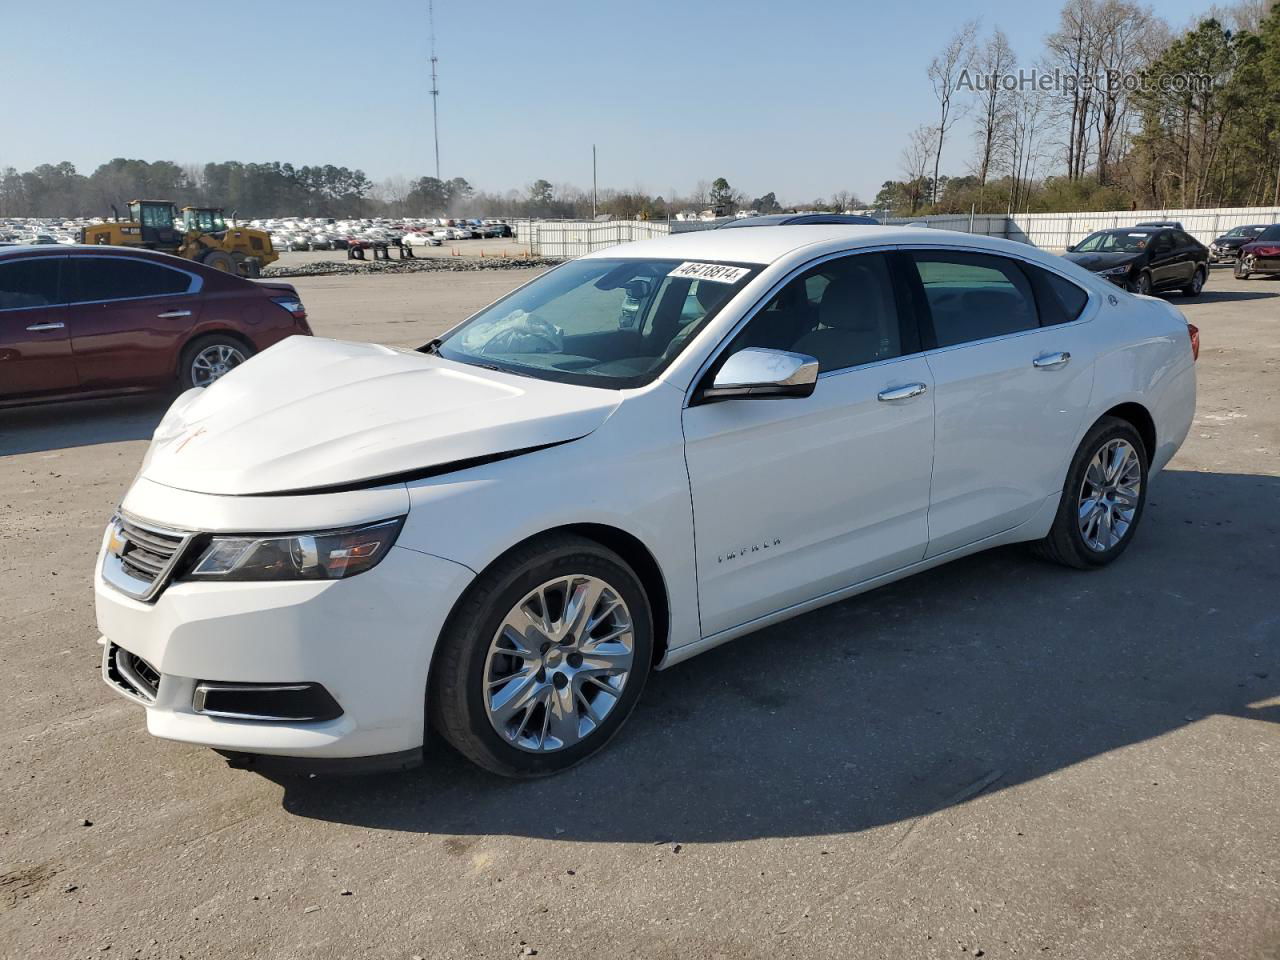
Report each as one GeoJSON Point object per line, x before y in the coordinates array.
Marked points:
{"type": "Point", "coordinates": [543, 659]}
{"type": "Point", "coordinates": [1143, 284]}
{"type": "Point", "coordinates": [1102, 500]}
{"type": "Point", "coordinates": [1244, 267]}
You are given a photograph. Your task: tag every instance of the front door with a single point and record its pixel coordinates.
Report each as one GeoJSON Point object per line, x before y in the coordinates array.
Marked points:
{"type": "Point", "coordinates": [796, 498]}
{"type": "Point", "coordinates": [35, 349]}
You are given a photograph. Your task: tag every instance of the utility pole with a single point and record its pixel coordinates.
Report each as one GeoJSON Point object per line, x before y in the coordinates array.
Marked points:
{"type": "Point", "coordinates": [435, 90]}
{"type": "Point", "coordinates": [593, 181]}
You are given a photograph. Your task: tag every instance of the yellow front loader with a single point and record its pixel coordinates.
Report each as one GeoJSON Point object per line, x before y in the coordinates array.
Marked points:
{"type": "Point", "coordinates": [201, 234]}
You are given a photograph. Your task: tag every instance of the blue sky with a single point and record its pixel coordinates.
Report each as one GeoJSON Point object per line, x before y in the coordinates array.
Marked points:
{"type": "Point", "coordinates": [802, 97]}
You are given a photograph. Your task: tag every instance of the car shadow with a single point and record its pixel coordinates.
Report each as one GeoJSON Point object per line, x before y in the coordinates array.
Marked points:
{"type": "Point", "coordinates": [79, 423]}
{"type": "Point", "coordinates": [977, 676]}
{"type": "Point", "coordinates": [1224, 296]}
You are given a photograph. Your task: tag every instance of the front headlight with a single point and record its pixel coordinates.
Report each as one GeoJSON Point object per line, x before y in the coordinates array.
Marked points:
{"type": "Point", "coordinates": [329, 555]}
{"type": "Point", "coordinates": [1115, 271]}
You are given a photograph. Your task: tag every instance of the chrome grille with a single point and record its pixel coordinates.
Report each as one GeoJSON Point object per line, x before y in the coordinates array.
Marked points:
{"type": "Point", "coordinates": [140, 556]}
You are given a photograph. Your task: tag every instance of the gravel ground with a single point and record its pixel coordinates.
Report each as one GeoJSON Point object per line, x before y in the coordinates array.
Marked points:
{"type": "Point", "coordinates": [997, 757]}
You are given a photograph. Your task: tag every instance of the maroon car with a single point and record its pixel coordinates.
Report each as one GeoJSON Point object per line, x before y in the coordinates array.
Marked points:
{"type": "Point", "coordinates": [87, 321]}
{"type": "Point", "coordinates": [1261, 255]}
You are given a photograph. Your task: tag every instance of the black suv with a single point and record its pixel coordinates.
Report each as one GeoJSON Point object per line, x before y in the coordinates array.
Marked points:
{"type": "Point", "coordinates": [1145, 259]}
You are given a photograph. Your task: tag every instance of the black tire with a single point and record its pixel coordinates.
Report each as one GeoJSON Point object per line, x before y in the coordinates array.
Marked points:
{"type": "Point", "coordinates": [1241, 271]}
{"type": "Point", "coordinates": [1065, 544]}
{"type": "Point", "coordinates": [1143, 284]}
{"type": "Point", "coordinates": [186, 374]}
{"type": "Point", "coordinates": [1197, 283]}
{"type": "Point", "coordinates": [455, 691]}
{"type": "Point", "coordinates": [219, 260]}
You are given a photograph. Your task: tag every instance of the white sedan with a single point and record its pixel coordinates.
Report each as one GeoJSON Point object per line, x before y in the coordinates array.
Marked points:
{"type": "Point", "coordinates": [629, 460]}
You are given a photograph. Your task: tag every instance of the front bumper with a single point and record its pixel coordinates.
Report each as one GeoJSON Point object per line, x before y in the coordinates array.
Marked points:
{"type": "Point", "coordinates": [366, 642]}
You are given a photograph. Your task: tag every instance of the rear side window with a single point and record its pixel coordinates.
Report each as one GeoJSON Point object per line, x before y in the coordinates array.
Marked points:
{"type": "Point", "coordinates": [974, 296]}
{"type": "Point", "coordinates": [29, 282]}
{"type": "Point", "coordinates": [1060, 300]}
{"type": "Point", "coordinates": [121, 278]}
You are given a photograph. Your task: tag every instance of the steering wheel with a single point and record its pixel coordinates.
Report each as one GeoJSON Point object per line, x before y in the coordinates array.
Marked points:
{"type": "Point", "coordinates": [501, 342]}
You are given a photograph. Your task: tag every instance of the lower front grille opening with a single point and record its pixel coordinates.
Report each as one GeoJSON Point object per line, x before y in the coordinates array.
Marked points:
{"type": "Point", "coordinates": [296, 702]}
{"type": "Point", "coordinates": [132, 675]}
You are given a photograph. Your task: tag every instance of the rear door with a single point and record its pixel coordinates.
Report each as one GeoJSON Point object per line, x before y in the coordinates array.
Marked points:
{"type": "Point", "coordinates": [35, 350]}
{"type": "Point", "coordinates": [129, 318]}
{"type": "Point", "coordinates": [1166, 267]}
{"type": "Point", "coordinates": [1009, 391]}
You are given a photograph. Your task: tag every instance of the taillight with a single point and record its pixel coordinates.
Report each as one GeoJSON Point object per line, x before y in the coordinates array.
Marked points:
{"type": "Point", "coordinates": [1194, 332]}
{"type": "Point", "coordinates": [293, 305]}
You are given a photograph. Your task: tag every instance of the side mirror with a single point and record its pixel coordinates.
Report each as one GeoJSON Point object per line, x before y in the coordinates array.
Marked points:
{"type": "Point", "coordinates": [1071, 248]}
{"type": "Point", "coordinates": [756, 372]}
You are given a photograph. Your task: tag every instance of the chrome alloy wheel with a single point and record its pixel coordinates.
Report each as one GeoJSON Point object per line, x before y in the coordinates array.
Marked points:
{"type": "Point", "coordinates": [558, 663]}
{"type": "Point", "coordinates": [1109, 495]}
{"type": "Point", "coordinates": [214, 361]}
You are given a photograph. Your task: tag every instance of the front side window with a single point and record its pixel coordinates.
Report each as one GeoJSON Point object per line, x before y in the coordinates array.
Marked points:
{"type": "Point", "coordinates": [975, 296]}
{"type": "Point", "coordinates": [610, 323]}
{"type": "Point", "coordinates": [1114, 241]}
{"type": "Point", "coordinates": [29, 282]}
{"type": "Point", "coordinates": [843, 313]}
{"type": "Point", "coordinates": [121, 278]}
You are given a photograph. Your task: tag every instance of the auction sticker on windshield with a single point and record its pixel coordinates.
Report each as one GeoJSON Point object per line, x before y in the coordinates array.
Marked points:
{"type": "Point", "coordinates": [715, 272]}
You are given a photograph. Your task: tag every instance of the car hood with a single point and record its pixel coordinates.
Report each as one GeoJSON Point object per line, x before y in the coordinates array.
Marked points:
{"type": "Point", "coordinates": [1102, 261]}
{"type": "Point", "coordinates": [312, 415]}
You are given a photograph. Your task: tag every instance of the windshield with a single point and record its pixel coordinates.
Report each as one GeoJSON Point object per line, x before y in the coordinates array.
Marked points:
{"type": "Point", "coordinates": [1119, 242]}
{"type": "Point", "coordinates": [1245, 231]}
{"type": "Point", "coordinates": [600, 322]}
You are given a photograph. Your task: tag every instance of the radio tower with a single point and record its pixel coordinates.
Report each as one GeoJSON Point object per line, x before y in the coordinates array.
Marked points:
{"type": "Point", "coordinates": [435, 91]}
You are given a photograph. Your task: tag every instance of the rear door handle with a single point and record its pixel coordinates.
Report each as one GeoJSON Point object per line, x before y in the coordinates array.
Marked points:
{"type": "Point", "coordinates": [901, 393]}
{"type": "Point", "coordinates": [173, 314]}
{"type": "Point", "coordinates": [47, 326]}
{"type": "Point", "coordinates": [1048, 361]}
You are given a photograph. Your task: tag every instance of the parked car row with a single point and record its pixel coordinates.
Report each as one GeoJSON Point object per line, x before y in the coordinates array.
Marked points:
{"type": "Point", "coordinates": [318, 233]}
{"type": "Point", "coordinates": [1158, 255]}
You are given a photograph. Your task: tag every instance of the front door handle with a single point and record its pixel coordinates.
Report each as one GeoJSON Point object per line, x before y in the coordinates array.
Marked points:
{"type": "Point", "coordinates": [47, 326]}
{"type": "Point", "coordinates": [901, 393]}
{"type": "Point", "coordinates": [1049, 361]}
{"type": "Point", "coordinates": [173, 314]}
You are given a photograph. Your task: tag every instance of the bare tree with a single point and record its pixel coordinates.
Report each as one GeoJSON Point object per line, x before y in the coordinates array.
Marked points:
{"type": "Point", "coordinates": [1123, 32]}
{"type": "Point", "coordinates": [944, 72]}
{"type": "Point", "coordinates": [1026, 128]}
{"type": "Point", "coordinates": [993, 61]}
{"type": "Point", "coordinates": [1072, 49]}
{"type": "Point", "coordinates": [920, 149]}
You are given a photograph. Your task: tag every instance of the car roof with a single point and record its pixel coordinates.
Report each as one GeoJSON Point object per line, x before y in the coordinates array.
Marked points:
{"type": "Point", "coordinates": [86, 249]}
{"type": "Point", "coordinates": [769, 245]}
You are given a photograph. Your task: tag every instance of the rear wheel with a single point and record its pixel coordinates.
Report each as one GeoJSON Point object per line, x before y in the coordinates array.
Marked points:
{"type": "Point", "coordinates": [543, 659]}
{"type": "Point", "coordinates": [1244, 267]}
{"type": "Point", "coordinates": [1102, 500]}
{"type": "Point", "coordinates": [1196, 285]}
{"type": "Point", "coordinates": [210, 357]}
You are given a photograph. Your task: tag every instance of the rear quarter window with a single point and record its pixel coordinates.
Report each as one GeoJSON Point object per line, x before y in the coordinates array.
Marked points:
{"type": "Point", "coordinates": [1059, 300]}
